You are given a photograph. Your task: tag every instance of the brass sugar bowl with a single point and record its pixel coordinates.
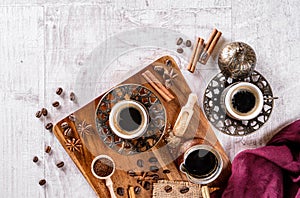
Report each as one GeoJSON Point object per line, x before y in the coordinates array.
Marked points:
{"type": "Point", "coordinates": [237, 60]}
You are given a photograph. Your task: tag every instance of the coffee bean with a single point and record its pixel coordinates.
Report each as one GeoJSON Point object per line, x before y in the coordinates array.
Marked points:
{"type": "Point", "coordinates": [68, 132]}
{"type": "Point", "coordinates": [168, 189]}
{"type": "Point", "coordinates": [72, 117]}
{"type": "Point", "coordinates": [38, 114]}
{"type": "Point", "coordinates": [184, 190]}
{"type": "Point", "coordinates": [188, 43]}
{"type": "Point", "coordinates": [140, 163]}
{"type": "Point", "coordinates": [72, 96]}
{"type": "Point", "coordinates": [44, 111]}
{"type": "Point", "coordinates": [55, 104]}
{"type": "Point", "coordinates": [49, 126]}
{"type": "Point", "coordinates": [35, 159]}
{"type": "Point", "coordinates": [60, 164]}
{"type": "Point", "coordinates": [147, 185]}
{"type": "Point", "coordinates": [152, 159]}
{"type": "Point", "coordinates": [64, 125]}
{"type": "Point", "coordinates": [131, 173]}
{"type": "Point", "coordinates": [153, 169]}
{"type": "Point", "coordinates": [120, 191]}
{"type": "Point", "coordinates": [48, 149]}
{"type": "Point", "coordinates": [179, 41]}
{"type": "Point", "coordinates": [137, 190]}
{"type": "Point", "coordinates": [166, 171]}
{"type": "Point", "coordinates": [168, 63]}
{"type": "Point", "coordinates": [42, 182]}
{"type": "Point", "coordinates": [180, 50]}
{"type": "Point", "coordinates": [155, 176]}
{"type": "Point", "coordinates": [59, 91]}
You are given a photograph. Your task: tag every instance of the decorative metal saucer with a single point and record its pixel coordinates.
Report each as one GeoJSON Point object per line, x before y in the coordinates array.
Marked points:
{"type": "Point", "coordinates": [156, 123]}
{"type": "Point", "coordinates": [218, 118]}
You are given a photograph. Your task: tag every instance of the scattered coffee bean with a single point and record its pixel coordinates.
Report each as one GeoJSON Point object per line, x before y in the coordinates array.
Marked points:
{"type": "Point", "coordinates": [49, 126]}
{"type": "Point", "coordinates": [38, 114]}
{"type": "Point", "coordinates": [68, 132]}
{"type": "Point", "coordinates": [60, 164]}
{"type": "Point", "coordinates": [44, 111]}
{"type": "Point", "coordinates": [166, 171]}
{"type": "Point", "coordinates": [120, 191]}
{"type": "Point", "coordinates": [180, 50]}
{"type": "Point", "coordinates": [168, 189]}
{"type": "Point", "coordinates": [147, 185]}
{"type": "Point", "coordinates": [64, 125]}
{"type": "Point", "coordinates": [55, 104]}
{"type": "Point", "coordinates": [179, 41]}
{"type": "Point", "coordinates": [42, 182]}
{"type": "Point", "coordinates": [72, 96]}
{"type": "Point", "coordinates": [168, 63]}
{"type": "Point", "coordinates": [131, 173]}
{"type": "Point", "coordinates": [153, 169]}
{"type": "Point", "coordinates": [72, 117]}
{"type": "Point", "coordinates": [48, 149]}
{"type": "Point", "coordinates": [137, 190]}
{"type": "Point", "coordinates": [155, 176]}
{"type": "Point", "coordinates": [184, 190]}
{"type": "Point", "coordinates": [59, 91]}
{"type": "Point", "coordinates": [188, 43]}
{"type": "Point", "coordinates": [140, 163]}
{"type": "Point", "coordinates": [152, 159]}
{"type": "Point", "coordinates": [35, 159]}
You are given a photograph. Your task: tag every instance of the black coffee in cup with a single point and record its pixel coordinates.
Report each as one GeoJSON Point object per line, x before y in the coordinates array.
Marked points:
{"type": "Point", "coordinates": [243, 101]}
{"type": "Point", "coordinates": [130, 119]}
{"type": "Point", "coordinates": [201, 163]}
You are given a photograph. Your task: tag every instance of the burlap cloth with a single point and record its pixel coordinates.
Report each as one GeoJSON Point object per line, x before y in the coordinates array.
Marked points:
{"type": "Point", "coordinates": [159, 189]}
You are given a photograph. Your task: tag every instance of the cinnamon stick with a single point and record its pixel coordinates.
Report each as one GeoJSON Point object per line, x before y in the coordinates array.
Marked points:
{"type": "Point", "coordinates": [210, 39]}
{"type": "Point", "coordinates": [199, 50]}
{"type": "Point", "coordinates": [193, 54]}
{"type": "Point", "coordinates": [155, 83]}
{"type": "Point", "coordinates": [214, 43]}
{"type": "Point", "coordinates": [206, 53]}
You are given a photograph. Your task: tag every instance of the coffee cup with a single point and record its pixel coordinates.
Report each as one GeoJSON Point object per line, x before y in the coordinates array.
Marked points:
{"type": "Point", "coordinates": [103, 167]}
{"type": "Point", "coordinates": [201, 164]}
{"type": "Point", "coordinates": [242, 101]}
{"type": "Point", "coordinates": [128, 119]}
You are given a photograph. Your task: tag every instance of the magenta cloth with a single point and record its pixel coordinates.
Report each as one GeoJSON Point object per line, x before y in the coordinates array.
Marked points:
{"type": "Point", "coordinates": [271, 171]}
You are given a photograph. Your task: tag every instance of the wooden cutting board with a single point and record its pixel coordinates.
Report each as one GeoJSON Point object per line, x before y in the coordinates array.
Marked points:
{"type": "Point", "coordinates": [84, 142]}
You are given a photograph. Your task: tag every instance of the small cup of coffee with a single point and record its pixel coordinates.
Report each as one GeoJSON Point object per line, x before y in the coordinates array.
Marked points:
{"type": "Point", "coordinates": [128, 119]}
{"type": "Point", "coordinates": [103, 167]}
{"type": "Point", "coordinates": [202, 164]}
{"type": "Point", "coordinates": [242, 101]}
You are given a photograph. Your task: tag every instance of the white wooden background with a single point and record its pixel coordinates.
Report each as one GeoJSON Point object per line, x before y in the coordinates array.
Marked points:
{"type": "Point", "coordinates": [44, 43]}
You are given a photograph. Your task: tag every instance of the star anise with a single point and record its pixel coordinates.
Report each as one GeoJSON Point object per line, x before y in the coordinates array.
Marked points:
{"type": "Point", "coordinates": [84, 128]}
{"type": "Point", "coordinates": [169, 77]}
{"type": "Point", "coordinates": [73, 145]}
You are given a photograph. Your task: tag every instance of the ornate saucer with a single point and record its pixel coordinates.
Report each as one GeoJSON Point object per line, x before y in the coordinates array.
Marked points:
{"type": "Point", "coordinates": [226, 124]}
{"type": "Point", "coordinates": [152, 104]}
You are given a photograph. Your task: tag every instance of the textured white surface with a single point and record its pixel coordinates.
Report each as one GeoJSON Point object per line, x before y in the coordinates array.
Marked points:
{"type": "Point", "coordinates": [44, 43]}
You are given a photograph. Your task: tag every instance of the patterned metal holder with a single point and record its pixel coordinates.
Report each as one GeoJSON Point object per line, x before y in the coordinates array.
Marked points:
{"type": "Point", "coordinates": [152, 104]}
{"type": "Point", "coordinates": [217, 116]}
